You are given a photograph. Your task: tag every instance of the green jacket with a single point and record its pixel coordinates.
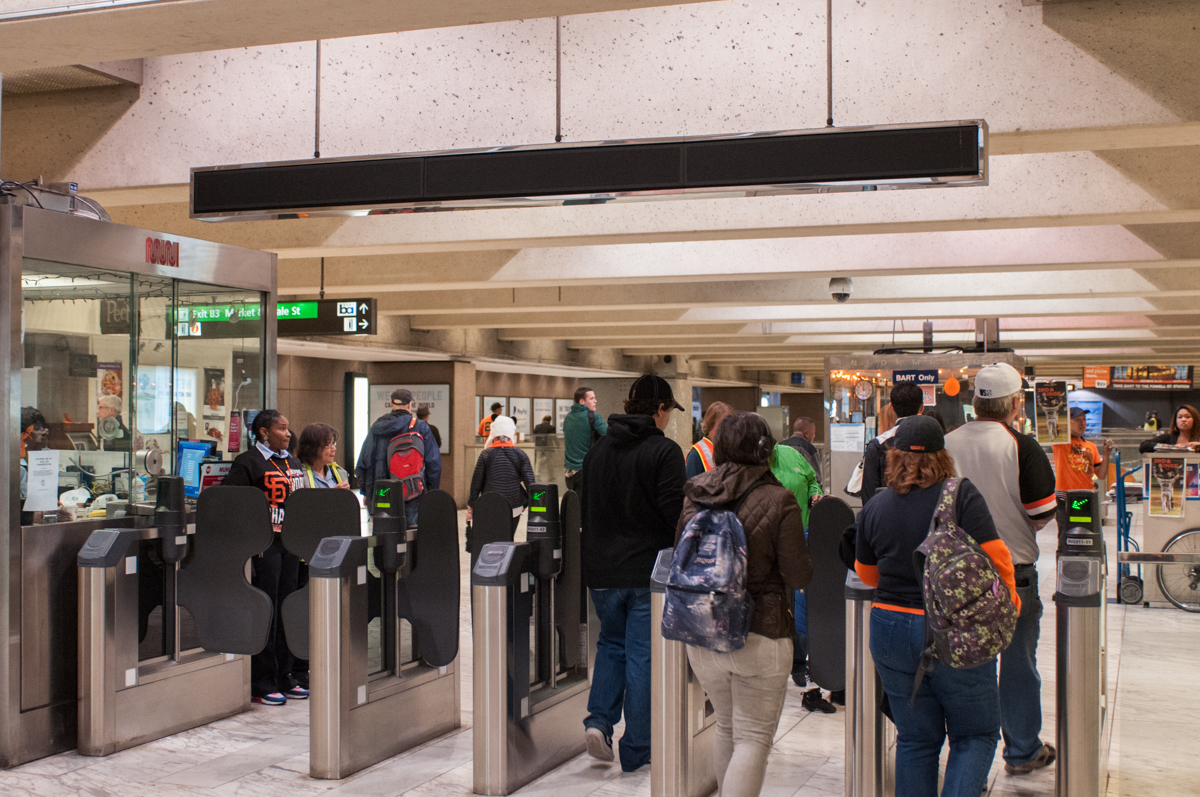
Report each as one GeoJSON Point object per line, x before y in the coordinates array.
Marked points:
{"type": "Point", "coordinates": [577, 434]}
{"type": "Point", "coordinates": [793, 471]}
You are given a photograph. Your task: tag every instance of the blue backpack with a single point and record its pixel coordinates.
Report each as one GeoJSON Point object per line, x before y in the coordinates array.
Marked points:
{"type": "Point", "coordinates": [707, 604]}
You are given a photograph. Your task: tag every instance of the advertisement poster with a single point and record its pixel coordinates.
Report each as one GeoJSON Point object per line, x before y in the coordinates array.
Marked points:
{"type": "Point", "coordinates": [1166, 487]}
{"type": "Point", "coordinates": [562, 408]}
{"type": "Point", "coordinates": [110, 380]}
{"type": "Point", "coordinates": [520, 410]}
{"type": "Point", "coordinates": [1053, 424]}
{"type": "Point", "coordinates": [435, 397]}
{"type": "Point", "coordinates": [543, 408]}
{"type": "Point", "coordinates": [214, 391]}
{"type": "Point", "coordinates": [1096, 376]}
{"type": "Point", "coordinates": [1152, 377]}
{"type": "Point", "coordinates": [929, 395]}
{"type": "Point", "coordinates": [1192, 491]}
{"type": "Point", "coordinates": [235, 433]}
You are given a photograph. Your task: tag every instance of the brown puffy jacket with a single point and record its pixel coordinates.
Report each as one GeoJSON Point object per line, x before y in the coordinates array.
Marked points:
{"type": "Point", "coordinates": [776, 557]}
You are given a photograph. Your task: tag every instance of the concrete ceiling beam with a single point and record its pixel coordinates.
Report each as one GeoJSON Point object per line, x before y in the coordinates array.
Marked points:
{"type": "Point", "coordinates": [168, 28]}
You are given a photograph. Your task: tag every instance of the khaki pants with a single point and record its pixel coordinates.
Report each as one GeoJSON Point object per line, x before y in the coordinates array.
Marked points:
{"type": "Point", "coordinates": [746, 689]}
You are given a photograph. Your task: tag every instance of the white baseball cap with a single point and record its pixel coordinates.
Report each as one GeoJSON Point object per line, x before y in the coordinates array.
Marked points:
{"type": "Point", "coordinates": [997, 381]}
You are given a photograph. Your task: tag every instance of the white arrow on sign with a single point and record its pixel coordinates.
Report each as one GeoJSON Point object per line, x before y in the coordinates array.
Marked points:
{"type": "Point", "coordinates": [362, 308]}
{"type": "Point", "coordinates": [362, 323]}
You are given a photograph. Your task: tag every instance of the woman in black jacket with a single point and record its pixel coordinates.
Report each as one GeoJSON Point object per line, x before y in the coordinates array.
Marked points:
{"type": "Point", "coordinates": [503, 468]}
{"type": "Point", "coordinates": [1184, 432]}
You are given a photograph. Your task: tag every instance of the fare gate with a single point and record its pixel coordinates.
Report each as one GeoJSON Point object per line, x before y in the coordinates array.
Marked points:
{"type": "Point", "coordinates": [132, 690]}
{"type": "Point", "coordinates": [375, 692]}
{"type": "Point", "coordinates": [682, 722]}
{"type": "Point", "coordinates": [534, 644]}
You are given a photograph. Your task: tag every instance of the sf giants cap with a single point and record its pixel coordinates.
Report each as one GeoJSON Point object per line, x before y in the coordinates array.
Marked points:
{"type": "Point", "coordinates": [920, 434]}
{"type": "Point", "coordinates": [654, 388]}
{"type": "Point", "coordinates": [997, 381]}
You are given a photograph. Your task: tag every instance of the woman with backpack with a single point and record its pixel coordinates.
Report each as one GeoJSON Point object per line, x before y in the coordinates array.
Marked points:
{"type": "Point", "coordinates": [961, 703]}
{"type": "Point", "coordinates": [747, 686]}
{"type": "Point", "coordinates": [502, 468]}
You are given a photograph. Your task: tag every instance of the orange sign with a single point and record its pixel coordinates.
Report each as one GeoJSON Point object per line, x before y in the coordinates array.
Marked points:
{"type": "Point", "coordinates": [1096, 376]}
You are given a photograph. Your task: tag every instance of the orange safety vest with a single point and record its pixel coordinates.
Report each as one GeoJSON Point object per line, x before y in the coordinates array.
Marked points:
{"type": "Point", "coordinates": [705, 450]}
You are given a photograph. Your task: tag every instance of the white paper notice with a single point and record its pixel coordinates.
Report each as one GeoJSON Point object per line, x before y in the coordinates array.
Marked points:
{"type": "Point", "coordinates": [846, 437]}
{"type": "Point", "coordinates": [41, 492]}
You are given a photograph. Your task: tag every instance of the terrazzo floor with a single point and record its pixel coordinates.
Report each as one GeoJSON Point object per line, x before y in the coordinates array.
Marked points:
{"type": "Point", "coordinates": [1154, 657]}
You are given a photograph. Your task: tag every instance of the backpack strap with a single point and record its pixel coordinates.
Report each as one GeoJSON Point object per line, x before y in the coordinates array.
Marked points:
{"type": "Point", "coordinates": [945, 513]}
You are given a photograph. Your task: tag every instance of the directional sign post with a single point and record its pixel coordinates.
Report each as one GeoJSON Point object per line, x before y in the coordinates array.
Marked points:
{"type": "Point", "coordinates": [327, 317]}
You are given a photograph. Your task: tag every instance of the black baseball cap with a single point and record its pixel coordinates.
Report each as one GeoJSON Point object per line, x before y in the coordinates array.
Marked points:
{"type": "Point", "coordinates": [919, 434]}
{"type": "Point", "coordinates": [1078, 411]}
{"type": "Point", "coordinates": [402, 395]}
{"type": "Point", "coordinates": [656, 389]}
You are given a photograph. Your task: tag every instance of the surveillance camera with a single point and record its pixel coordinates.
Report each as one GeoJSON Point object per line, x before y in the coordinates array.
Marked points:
{"type": "Point", "coordinates": [840, 288]}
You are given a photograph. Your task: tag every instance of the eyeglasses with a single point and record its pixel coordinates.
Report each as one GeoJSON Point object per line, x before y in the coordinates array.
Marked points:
{"type": "Point", "coordinates": [332, 445]}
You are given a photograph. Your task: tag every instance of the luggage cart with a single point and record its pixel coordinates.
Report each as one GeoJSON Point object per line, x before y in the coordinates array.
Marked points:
{"type": "Point", "coordinates": [1129, 587]}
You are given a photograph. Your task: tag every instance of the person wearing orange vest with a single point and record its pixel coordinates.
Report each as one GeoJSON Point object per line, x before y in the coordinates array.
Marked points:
{"type": "Point", "coordinates": [700, 458]}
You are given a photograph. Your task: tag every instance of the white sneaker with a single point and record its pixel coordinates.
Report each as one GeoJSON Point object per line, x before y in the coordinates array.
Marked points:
{"type": "Point", "coordinates": [599, 746]}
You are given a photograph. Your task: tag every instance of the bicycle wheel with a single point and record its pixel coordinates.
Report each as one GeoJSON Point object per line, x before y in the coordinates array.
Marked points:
{"type": "Point", "coordinates": [1180, 583]}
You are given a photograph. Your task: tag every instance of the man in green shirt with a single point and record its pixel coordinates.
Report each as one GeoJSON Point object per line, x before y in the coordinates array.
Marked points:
{"type": "Point", "coordinates": [582, 427]}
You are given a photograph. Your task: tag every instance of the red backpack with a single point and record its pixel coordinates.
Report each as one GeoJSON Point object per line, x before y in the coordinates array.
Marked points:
{"type": "Point", "coordinates": [406, 460]}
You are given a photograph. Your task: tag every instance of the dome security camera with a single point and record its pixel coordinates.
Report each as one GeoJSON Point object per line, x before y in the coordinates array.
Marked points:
{"type": "Point", "coordinates": [840, 289]}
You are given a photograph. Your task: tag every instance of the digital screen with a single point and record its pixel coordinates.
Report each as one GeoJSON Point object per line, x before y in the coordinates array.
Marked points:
{"type": "Point", "coordinates": [1080, 510]}
{"type": "Point", "coordinates": [187, 463]}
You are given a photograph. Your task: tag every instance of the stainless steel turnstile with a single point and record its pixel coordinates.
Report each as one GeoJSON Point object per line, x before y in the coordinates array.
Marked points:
{"type": "Point", "coordinates": [126, 697]}
{"type": "Point", "coordinates": [529, 707]}
{"type": "Point", "coordinates": [869, 772]}
{"type": "Point", "coordinates": [1082, 725]}
{"type": "Point", "coordinates": [682, 722]}
{"type": "Point", "coordinates": [364, 709]}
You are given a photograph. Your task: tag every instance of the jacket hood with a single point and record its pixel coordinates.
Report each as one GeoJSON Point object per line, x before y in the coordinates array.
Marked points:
{"type": "Point", "coordinates": [626, 431]}
{"type": "Point", "coordinates": [391, 424]}
{"type": "Point", "coordinates": [579, 409]}
{"type": "Point", "coordinates": [726, 483]}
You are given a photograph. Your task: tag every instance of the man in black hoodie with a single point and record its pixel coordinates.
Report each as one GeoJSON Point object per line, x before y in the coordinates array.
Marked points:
{"type": "Point", "coordinates": [633, 481]}
{"type": "Point", "coordinates": [372, 460]}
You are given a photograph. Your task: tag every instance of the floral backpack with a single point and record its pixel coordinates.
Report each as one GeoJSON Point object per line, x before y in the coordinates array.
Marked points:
{"type": "Point", "coordinates": [969, 614]}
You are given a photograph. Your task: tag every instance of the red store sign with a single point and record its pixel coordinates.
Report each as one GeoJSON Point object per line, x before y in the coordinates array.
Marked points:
{"type": "Point", "coordinates": [163, 253]}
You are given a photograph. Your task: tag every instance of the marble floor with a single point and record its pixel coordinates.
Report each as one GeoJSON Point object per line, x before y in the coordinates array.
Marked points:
{"type": "Point", "coordinates": [1154, 655]}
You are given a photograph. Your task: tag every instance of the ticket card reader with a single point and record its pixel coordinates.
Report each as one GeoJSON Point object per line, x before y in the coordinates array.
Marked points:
{"type": "Point", "coordinates": [682, 721]}
{"type": "Point", "coordinates": [378, 624]}
{"type": "Point", "coordinates": [533, 645]}
{"type": "Point", "coordinates": [1080, 698]}
{"type": "Point", "coordinates": [147, 668]}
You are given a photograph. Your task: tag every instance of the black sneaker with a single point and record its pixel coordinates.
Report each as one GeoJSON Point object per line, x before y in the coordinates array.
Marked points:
{"type": "Point", "coordinates": [800, 678]}
{"type": "Point", "coordinates": [838, 697]}
{"type": "Point", "coordinates": [812, 701]}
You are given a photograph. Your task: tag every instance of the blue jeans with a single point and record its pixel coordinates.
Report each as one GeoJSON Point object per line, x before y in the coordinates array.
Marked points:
{"type": "Point", "coordinates": [410, 512]}
{"type": "Point", "coordinates": [963, 705]}
{"type": "Point", "coordinates": [1020, 684]}
{"type": "Point", "coordinates": [621, 677]}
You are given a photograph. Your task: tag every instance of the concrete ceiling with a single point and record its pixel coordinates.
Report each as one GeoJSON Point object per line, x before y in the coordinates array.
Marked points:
{"type": "Point", "coordinates": [1086, 243]}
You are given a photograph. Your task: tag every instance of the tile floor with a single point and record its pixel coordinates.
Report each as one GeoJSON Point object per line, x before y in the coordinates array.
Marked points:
{"type": "Point", "coordinates": [1154, 656]}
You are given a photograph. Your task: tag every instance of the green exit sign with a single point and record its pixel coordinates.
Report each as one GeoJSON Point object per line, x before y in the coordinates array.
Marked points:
{"type": "Point", "coordinates": [291, 310]}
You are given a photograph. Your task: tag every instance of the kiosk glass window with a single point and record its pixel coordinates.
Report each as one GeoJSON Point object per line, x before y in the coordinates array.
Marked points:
{"type": "Point", "coordinates": [125, 366]}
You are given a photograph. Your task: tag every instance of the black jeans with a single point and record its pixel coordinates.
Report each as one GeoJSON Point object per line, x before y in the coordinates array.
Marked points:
{"type": "Point", "coordinates": [275, 572]}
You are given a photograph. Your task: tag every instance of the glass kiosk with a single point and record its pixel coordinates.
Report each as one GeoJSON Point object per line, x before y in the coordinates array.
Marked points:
{"type": "Point", "coordinates": [143, 353]}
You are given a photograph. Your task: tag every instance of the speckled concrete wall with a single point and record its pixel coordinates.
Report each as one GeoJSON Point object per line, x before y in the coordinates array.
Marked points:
{"type": "Point", "coordinates": [712, 68]}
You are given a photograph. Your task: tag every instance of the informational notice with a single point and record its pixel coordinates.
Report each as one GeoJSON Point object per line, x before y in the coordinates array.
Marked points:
{"type": "Point", "coordinates": [562, 408]}
{"type": "Point", "coordinates": [1152, 377]}
{"type": "Point", "coordinates": [847, 437]}
{"type": "Point", "coordinates": [917, 377]}
{"type": "Point", "coordinates": [1096, 376]}
{"type": "Point", "coordinates": [41, 488]}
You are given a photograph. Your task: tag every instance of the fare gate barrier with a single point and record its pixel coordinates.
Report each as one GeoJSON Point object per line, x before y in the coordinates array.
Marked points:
{"type": "Point", "coordinates": [682, 722]}
{"type": "Point", "coordinates": [132, 690]}
{"type": "Point", "coordinates": [1081, 660]}
{"type": "Point", "coordinates": [868, 773]}
{"type": "Point", "coordinates": [364, 709]}
{"type": "Point", "coordinates": [531, 687]}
